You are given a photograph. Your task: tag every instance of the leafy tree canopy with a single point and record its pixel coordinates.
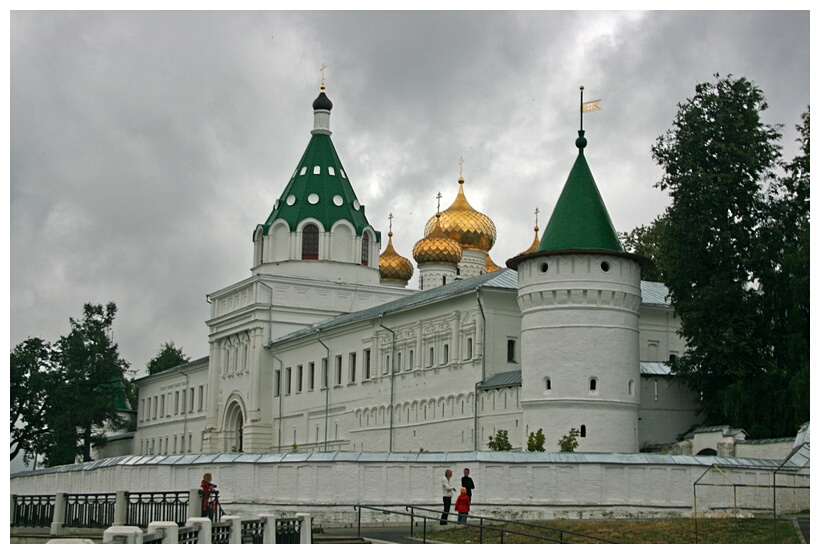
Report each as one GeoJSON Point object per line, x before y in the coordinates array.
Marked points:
{"type": "Point", "coordinates": [87, 392]}
{"type": "Point", "coordinates": [168, 356]}
{"type": "Point", "coordinates": [729, 252]}
{"type": "Point", "coordinates": [29, 375]}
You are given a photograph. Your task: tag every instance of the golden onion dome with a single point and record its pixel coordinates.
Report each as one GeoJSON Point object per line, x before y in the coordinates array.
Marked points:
{"type": "Point", "coordinates": [393, 266]}
{"type": "Point", "coordinates": [490, 265]}
{"type": "Point", "coordinates": [462, 223]}
{"type": "Point", "coordinates": [436, 247]}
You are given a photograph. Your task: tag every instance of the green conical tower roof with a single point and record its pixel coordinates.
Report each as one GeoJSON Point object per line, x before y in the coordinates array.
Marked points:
{"type": "Point", "coordinates": [319, 187]}
{"type": "Point", "coordinates": [580, 223]}
{"type": "Point", "coordinates": [580, 220]}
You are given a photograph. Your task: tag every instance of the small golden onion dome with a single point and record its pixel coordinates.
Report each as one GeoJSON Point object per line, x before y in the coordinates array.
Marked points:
{"type": "Point", "coordinates": [490, 265]}
{"type": "Point", "coordinates": [536, 241]}
{"type": "Point", "coordinates": [393, 266]}
{"type": "Point", "coordinates": [436, 247]}
{"type": "Point", "coordinates": [462, 223]}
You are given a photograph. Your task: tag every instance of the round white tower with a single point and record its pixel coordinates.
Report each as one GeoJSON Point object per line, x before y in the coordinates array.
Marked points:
{"type": "Point", "coordinates": [579, 294]}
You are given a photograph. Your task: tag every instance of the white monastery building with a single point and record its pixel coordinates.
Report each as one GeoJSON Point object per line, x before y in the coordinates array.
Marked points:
{"type": "Point", "coordinates": [323, 348]}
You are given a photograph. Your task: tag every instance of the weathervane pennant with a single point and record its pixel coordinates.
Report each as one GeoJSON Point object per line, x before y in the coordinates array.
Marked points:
{"type": "Point", "coordinates": [591, 106]}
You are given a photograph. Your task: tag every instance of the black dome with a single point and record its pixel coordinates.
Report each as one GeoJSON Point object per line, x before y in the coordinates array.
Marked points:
{"type": "Point", "coordinates": [322, 102]}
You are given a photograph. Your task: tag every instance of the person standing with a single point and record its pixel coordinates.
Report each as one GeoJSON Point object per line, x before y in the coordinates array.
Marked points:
{"type": "Point", "coordinates": [463, 505]}
{"type": "Point", "coordinates": [208, 497]}
{"type": "Point", "coordinates": [447, 490]}
{"type": "Point", "coordinates": [467, 483]}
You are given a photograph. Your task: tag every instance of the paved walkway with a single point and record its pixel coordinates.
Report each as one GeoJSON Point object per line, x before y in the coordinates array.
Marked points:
{"type": "Point", "coordinates": [803, 527]}
{"type": "Point", "coordinates": [395, 534]}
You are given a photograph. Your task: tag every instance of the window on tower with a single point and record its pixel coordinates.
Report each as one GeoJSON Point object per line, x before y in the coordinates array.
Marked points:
{"type": "Point", "coordinates": [310, 242]}
{"type": "Point", "coordinates": [511, 350]}
{"type": "Point", "coordinates": [365, 248]}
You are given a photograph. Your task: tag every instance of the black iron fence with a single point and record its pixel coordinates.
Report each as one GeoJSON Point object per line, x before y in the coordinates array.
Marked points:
{"type": "Point", "coordinates": [94, 511]}
{"type": "Point", "coordinates": [145, 507]}
{"type": "Point", "coordinates": [33, 510]}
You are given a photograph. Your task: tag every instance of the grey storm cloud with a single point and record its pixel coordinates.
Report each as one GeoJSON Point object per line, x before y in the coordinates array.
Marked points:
{"type": "Point", "coordinates": [146, 146]}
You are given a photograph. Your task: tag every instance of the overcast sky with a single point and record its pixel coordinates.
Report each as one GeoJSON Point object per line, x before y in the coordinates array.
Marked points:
{"type": "Point", "coordinates": [146, 146]}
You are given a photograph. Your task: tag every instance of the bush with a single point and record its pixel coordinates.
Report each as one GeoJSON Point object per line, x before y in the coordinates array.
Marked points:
{"type": "Point", "coordinates": [569, 442]}
{"type": "Point", "coordinates": [500, 442]}
{"type": "Point", "coordinates": [535, 442]}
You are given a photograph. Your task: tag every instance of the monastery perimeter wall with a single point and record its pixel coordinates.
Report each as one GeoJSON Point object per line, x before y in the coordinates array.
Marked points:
{"type": "Point", "coordinates": [522, 485]}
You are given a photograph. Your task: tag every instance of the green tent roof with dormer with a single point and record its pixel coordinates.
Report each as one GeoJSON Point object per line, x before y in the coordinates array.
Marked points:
{"type": "Point", "coordinates": [319, 187]}
{"type": "Point", "coordinates": [580, 220]}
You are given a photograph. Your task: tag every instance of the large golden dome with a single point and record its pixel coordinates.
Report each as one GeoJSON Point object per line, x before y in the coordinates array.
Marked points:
{"type": "Point", "coordinates": [436, 247]}
{"type": "Point", "coordinates": [462, 223]}
{"type": "Point", "coordinates": [393, 266]}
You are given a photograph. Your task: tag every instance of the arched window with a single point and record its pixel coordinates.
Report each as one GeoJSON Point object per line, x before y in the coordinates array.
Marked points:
{"type": "Point", "coordinates": [583, 430]}
{"type": "Point", "coordinates": [310, 242]}
{"type": "Point", "coordinates": [365, 248]}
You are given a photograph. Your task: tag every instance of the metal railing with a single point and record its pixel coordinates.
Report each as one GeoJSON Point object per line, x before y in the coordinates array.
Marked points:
{"type": "Point", "coordinates": [188, 535]}
{"type": "Point", "coordinates": [213, 509]}
{"type": "Point", "coordinates": [494, 525]}
{"type": "Point", "coordinates": [33, 510]}
{"type": "Point", "coordinates": [288, 530]}
{"type": "Point", "coordinates": [221, 533]}
{"type": "Point", "coordinates": [253, 531]}
{"type": "Point", "coordinates": [145, 507]}
{"type": "Point", "coordinates": [94, 511]}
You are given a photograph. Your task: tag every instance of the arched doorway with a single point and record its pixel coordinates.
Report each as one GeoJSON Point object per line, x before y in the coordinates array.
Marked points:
{"type": "Point", "coordinates": [234, 424]}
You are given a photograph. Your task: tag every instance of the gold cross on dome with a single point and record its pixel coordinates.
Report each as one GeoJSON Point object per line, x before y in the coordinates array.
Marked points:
{"type": "Point", "coordinates": [322, 69]}
{"type": "Point", "coordinates": [438, 203]}
{"type": "Point", "coordinates": [390, 217]}
{"type": "Point", "coordinates": [460, 167]}
{"type": "Point", "coordinates": [536, 217]}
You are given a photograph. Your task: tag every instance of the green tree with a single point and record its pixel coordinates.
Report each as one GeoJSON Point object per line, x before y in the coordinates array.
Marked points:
{"type": "Point", "coordinates": [168, 356]}
{"type": "Point", "coordinates": [645, 240]}
{"type": "Point", "coordinates": [29, 378]}
{"type": "Point", "coordinates": [535, 442]}
{"type": "Point", "coordinates": [500, 442]}
{"type": "Point", "coordinates": [718, 161]}
{"type": "Point", "coordinates": [569, 442]}
{"type": "Point", "coordinates": [86, 395]}
{"type": "Point", "coordinates": [785, 277]}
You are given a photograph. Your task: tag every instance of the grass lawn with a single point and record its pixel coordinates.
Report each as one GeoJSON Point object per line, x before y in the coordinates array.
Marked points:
{"type": "Point", "coordinates": [658, 531]}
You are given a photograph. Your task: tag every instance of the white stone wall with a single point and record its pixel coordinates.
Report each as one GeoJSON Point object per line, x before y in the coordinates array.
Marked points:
{"type": "Point", "coordinates": [668, 409]}
{"type": "Point", "coordinates": [523, 485]}
{"type": "Point", "coordinates": [770, 450]}
{"type": "Point", "coordinates": [438, 356]}
{"type": "Point", "coordinates": [180, 399]}
{"type": "Point", "coordinates": [659, 334]}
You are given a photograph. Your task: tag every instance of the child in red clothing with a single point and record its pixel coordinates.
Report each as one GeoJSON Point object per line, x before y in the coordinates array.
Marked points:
{"type": "Point", "coordinates": [463, 505]}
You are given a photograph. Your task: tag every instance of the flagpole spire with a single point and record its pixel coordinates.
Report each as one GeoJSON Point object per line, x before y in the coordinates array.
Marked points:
{"type": "Point", "coordinates": [582, 107]}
